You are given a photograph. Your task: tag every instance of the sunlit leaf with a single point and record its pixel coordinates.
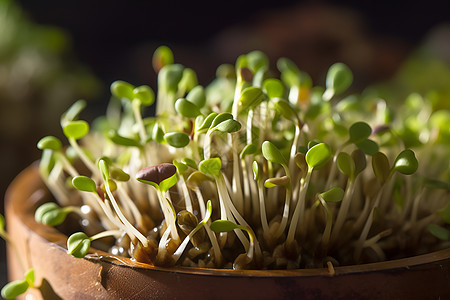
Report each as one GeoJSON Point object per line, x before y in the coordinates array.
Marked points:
{"type": "Point", "coordinates": [210, 166]}
{"type": "Point", "coordinates": [78, 244]}
{"type": "Point", "coordinates": [76, 129]}
{"type": "Point", "coordinates": [186, 108]}
{"type": "Point", "coordinates": [177, 139]}
{"type": "Point", "coordinates": [406, 162]}
{"type": "Point", "coordinates": [333, 195]}
{"type": "Point", "coordinates": [318, 155]}
{"type": "Point", "coordinates": [272, 153]}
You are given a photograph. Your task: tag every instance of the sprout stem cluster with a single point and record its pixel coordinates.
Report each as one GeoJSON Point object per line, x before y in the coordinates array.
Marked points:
{"type": "Point", "coordinates": [282, 174]}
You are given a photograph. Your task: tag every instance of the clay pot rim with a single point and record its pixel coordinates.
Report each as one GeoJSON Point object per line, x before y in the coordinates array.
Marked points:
{"type": "Point", "coordinates": [20, 186]}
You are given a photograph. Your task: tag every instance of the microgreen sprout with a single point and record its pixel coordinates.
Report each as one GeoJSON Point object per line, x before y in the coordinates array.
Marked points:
{"type": "Point", "coordinates": [241, 262]}
{"type": "Point", "coordinates": [281, 158]}
{"type": "Point", "coordinates": [16, 288]}
{"type": "Point", "coordinates": [331, 196]}
{"type": "Point", "coordinates": [162, 177]}
{"type": "Point", "coordinates": [78, 244]}
{"type": "Point", "coordinates": [51, 214]}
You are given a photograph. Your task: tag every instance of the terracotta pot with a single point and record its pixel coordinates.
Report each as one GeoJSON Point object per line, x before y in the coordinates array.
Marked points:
{"type": "Point", "coordinates": [43, 248]}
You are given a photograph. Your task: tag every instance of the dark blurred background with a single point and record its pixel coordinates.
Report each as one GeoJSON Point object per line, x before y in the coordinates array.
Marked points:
{"type": "Point", "coordinates": [55, 52]}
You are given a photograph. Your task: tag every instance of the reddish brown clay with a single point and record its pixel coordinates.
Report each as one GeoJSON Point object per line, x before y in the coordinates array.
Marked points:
{"type": "Point", "coordinates": [43, 248]}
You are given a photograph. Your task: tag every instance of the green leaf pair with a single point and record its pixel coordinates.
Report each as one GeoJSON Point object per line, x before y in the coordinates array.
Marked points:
{"type": "Point", "coordinates": [224, 122]}
{"type": "Point", "coordinates": [51, 214]}
{"type": "Point", "coordinates": [76, 129]}
{"type": "Point", "coordinates": [50, 142]}
{"type": "Point", "coordinates": [339, 79]}
{"type": "Point", "coordinates": [186, 108]}
{"type": "Point", "coordinates": [318, 155]}
{"type": "Point", "coordinates": [406, 163]}
{"type": "Point", "coordinates": [273, 154]}
{"type": "Point", "coordinates": [351, 165]}
{"type": "Point", "coordinates": [359, 134]}
{"type": "Point", "coordinates": [161, 57]}
{"type": "Point", "coordinates": [210, 166]}
{"type": "Point", "coordinates": [18, 287]}
{"type": "Point", "coordinates": [78, 244]}
{"type": "Point", "coordinates": [335, 194]}
{"type": "Point", "coordinates": [73, 112]}
{"type": "Point", "coordinates": [250, 98]}
{"type": "Point", "coordinates": [124, 90]}
{"type": "Point", "coordinates": [162, 176]}
{"type": "Point", "coordinates": [118, 139]}
{"type": "Point", "coordinates": [177, 139]}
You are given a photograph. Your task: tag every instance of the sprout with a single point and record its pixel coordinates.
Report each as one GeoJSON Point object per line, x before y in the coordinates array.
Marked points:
{"type": "Point", "coordinates": [190, 235]}
{"type": "Point", "coordinates": [273, 88]}
{"type": "Point", "coordinates": [78, 244]}
{"type": "Point", "coordinates": [339, 78]}
{"type": "Point", "coordinates": [405, 163]}
{"type": "Point", "coordinates": [250, 97]}
{"type": "Point", "coordinates": [186, 108]}
{"type": "Point", "coordinates": [333, 195]}
{"type": "Point", "coordinates": [117, 139]}
{"type": "Point", "coordinates": [439, 232]}
{"type": "Point", "coordinates": [273, 154]}
{"type": "Point", "coordinates": [161, 57]}
{"type": "Point", "coordinates": [72, 113]}
{"type": "Point", "coordinates": [226, 226]}
{"type": "Point", "coordinates": [197, 96]}
{"type": "Point", "coordinates": [18, 287]}
{"type": "Point", "coordinates": [232, 151]}
{"type": "Point", "coordinates": [76, 129]}
{"type": "Point", "coordinates": [177, 139]}
{"type": "Point", "coordinates": [51, 214]}
{"type": "Point", "coordinates": [162, 177]}
{"type": "Point", "coordinates": [316, 157]}
{"type": "Point", "coordinates": [210, 166]}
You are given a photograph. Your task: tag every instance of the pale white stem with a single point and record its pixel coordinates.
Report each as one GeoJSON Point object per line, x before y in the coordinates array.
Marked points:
{"type": "Point", "coordinates": [56, 185]}
{"type": "Point", "coordinates": [207, 145]}
{"type": "Point", "coordinates": [248, 199]}
{"type": "Point", "coordinates": [416, 204]}
{"type": "Point", "coordinates": [187, 196]}
{"type": "Point", "coordinates": [90, 200]}
{"type": "Point", "coordinates": [163, 241]}
{"type": "Point", "coordinates": [130, 228]}
{"type": "Point", "coordinates": [230, 207]}
{"type": "Point", "coordinates": [294, 147]}
{"type": "Point", "coordinates": [131, 206]}
{"type": "Point", "coordinates": [367, 226]}
{"type": "Point", "coordinates": [327, 231]}
{"type": "Point", "coordinates": [116, 233]}
{"type": "Point", "coordinates": [249, 127]}
{"type": "Point", "coordinates": [343, 210]}
{"type": "Point", "coordinates": [362, 216]}
{"type": "Point", "coordinates": [68, 166]}
{"type": "Point", "coordinates": [236, 177]}
{"type": "Point", "coordinates": [215, 245]}
{"type": "Point", "coordinates": [138, 117]}
{"type": "Point", "coordinates": [299, 211]}
{"type": "Point", "coordinates": [86, 160]}
{"type": "Point", "coordinates": [169, 214]}
{"type": "Point", "coordinates": [262, 207]}
{"type": "Point", "coordinates": [333, 169]}
{"type": "Point", "coordinates": [373, 240]}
